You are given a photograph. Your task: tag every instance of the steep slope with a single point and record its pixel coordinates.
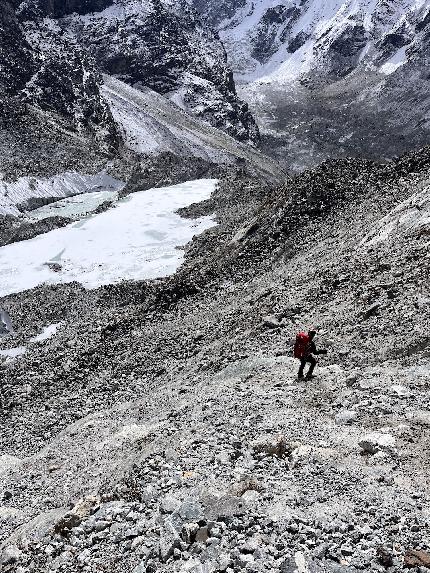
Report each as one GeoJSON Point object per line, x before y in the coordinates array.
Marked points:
{"type": "Point", "coordinates": [289, 39]}
{"type": "Point", "coordinates": [331, 78]}
{"type": "Point", "coordinates": [152, 124]}
{"type": "Point", "coordinates": [162, 428]}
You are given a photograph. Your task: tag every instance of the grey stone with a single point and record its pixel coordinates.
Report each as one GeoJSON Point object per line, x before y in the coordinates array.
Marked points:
{"type": "Point", "coordinates": [191, 510]}
{"type": "Point", "coordinates": [345, 417]}
{"type": "Point", "coordinates": [271, 445]}
{"type": "Point", "coordinates": [169, 504]}
{"type": "Point", "coordinates": [217, 509]}
{"type": "Point", "coordinates": [376, 442]}
{"type": "Point", "coordinates": [10, 554]}
{"type": "Point", "coordinates": [169, 540]}
{"type": "Point", "coordinates": [101, 525]}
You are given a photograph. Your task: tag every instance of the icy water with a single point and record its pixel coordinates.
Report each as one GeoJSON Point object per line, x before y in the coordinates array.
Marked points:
{"type": "Point", "coordinates": [77, 206]}
{"type": "Point", "coordinates": [137, 239]}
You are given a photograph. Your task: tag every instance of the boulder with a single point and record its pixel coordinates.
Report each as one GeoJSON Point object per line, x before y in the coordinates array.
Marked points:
{"type": "Point", "coordinates": [9, 555]}
{"type": "Point", "coordinates": [271, 321]}
{"type": "Point", "coordinates": [376, 442]}
{"type": "Point", "coordinates": [169, 504]}
{"type": "Point", "coordinates": [190, 510]}
{"type": "Point", "coordinates": [400, 391]}
{"type": "Point", "coordinates": [271, 446]}
{"type": "Point", "coordinates": [351, 379]}
{"type": "Point", "coordinates": [169, 541]}
{"type": "Point", "coordinates": [345, 417]}
{"type": "Point", "coordinates": [83, 509]}
{"type": "Point", "coordinates": [217, 509]}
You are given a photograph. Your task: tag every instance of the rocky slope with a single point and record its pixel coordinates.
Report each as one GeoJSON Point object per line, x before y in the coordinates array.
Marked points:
{"type": "Point", "coordinates": [162, 429]}
{"type": "Point", "coordinates": [151, 123]}
{"type": "Point", "coordinates": [331, 78]}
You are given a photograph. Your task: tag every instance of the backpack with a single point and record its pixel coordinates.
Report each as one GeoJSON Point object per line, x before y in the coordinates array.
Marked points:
{"type": "Point", "coordinates": [301, 345]}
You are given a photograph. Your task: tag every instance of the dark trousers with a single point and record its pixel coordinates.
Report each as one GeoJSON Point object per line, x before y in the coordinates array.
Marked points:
{"type": "Point", "coordinates": [303, 361]}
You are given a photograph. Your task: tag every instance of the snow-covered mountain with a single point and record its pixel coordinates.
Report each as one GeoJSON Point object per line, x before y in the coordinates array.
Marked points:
{"type": "Point", "coordinates": [330, 77]}
{"type": "Point", "coordinates": [327, 39]}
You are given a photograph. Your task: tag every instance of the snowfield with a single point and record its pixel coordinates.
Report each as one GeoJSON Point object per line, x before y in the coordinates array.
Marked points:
{"type": "Point", "coordinates": [137, 239]}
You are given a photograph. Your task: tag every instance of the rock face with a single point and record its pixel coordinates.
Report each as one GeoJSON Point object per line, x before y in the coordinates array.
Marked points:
{"type": "Point", "coordinates": [65, 82]}
{"type": "Point", "coordinates": [15, 53]}
{"type": "Point", "coordinates": [164, 46]}
{"type": "Point", "coordinates": [59, 8]}
{"type": "Point", "coordinates": [50, 95]}
{"type": "Point", "coordinates": [296, 38]}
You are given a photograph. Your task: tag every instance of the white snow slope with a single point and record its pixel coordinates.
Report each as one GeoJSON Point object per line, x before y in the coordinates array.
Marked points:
{"type": "Point", "coordinates": [137, 239]}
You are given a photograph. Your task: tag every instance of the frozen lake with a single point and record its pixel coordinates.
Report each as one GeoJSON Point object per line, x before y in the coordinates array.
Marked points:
{"type": "Point", "coordinates": [137, 239]}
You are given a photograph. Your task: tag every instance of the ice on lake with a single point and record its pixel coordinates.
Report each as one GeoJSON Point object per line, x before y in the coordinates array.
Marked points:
{"type": "Point", "coordinates": [137, 239]}
{"type": "Point", "coordinates": [74, 207]}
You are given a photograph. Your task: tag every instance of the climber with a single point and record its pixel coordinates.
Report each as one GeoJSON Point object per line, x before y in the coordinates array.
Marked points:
{"type": "Point", "coordinates": [304, 350]}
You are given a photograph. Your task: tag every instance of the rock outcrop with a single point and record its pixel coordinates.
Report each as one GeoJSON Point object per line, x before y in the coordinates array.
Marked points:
{"type": "Point", "coordinates": [51, 107]}
{"type": "Point", "coordinates": [164, 46]}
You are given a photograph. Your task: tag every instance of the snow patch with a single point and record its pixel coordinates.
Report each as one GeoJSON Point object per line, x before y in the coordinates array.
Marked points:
{"type": "Point", "coordinates": [12, 353]}
{"type": "Point", "coordinates": [395, 62]}
{"type": "Point", "coordinates": [47, 332]}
